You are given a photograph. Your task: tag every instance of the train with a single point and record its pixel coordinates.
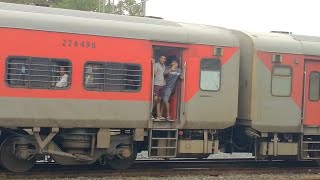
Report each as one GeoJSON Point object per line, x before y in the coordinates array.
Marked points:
{"type": "Point", "coordinates": [241, 92]}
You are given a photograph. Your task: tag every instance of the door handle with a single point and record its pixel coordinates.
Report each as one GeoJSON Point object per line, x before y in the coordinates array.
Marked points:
{"type": "Point", "coordinates": [184, 89]}
{"type": "Point", "coordinates": [152, 85]}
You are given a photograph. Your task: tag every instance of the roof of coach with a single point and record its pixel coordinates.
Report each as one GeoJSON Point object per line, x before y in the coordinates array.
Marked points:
{"type": "Point", "coordinates": [310, 44]}
{"type": "Point", "coordinates": [285, 43]}
{"type": "Point", "coordinates": [274, 42]}
{"type": "Point", "coordinates": [101, 24]}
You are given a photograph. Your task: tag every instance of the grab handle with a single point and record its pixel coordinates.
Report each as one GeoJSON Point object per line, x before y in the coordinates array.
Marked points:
{"type": "Point", "coordinates": [184, 88]}
{"type": "Point", "coordinates": [152, 85]}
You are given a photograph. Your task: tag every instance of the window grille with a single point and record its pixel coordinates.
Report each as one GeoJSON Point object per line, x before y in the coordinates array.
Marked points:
{"type": "Point", "coordinates": [37, 73]}
{"type": "Point", "coordinates": [111, 76]}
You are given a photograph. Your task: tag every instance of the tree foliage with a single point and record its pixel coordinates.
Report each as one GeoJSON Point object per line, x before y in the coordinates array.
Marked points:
{"type": "Point", "coordinates": [124, 7]}
{"type": "Point", "coordinates": [129, 7]}
{"type": "Point", "coordinates": [43, 2]}
{"type": "Point", "coordinates": [84, 5]}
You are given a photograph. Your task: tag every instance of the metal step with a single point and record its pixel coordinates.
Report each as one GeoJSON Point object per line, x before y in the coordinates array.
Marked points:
{"type": "Point", "coordinates": [311, 150]}
{"type": "Point", "coordinates": [311, 158]}
{"type": "Point", "coordinates": [163, 147]}
{"type": "Point", "coordinates": [163, 143]}
{"type": "Point", "coordinates": [311, 142]}
{"type": "Point", "coordinates": [164, 138]}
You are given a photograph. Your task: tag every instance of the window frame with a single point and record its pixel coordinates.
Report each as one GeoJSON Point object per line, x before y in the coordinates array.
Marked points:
{"type": "Point", "coordinates": [310, 88]}
{"type": "Point", "coordinates": [28, 58]}
{"type": "Point", "coordinates": [220, 70]}
{"type": "Point", "coordinates": [291, 77]}
{"type": "Point", "coordinates": [104, 84]}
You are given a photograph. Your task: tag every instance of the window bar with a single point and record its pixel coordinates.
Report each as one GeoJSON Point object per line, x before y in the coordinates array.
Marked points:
{"type": "Point", "coordinates": [121, 86]}
{"type": "Point", "coordinates": [29, 73]}
{"type": "Point", "coordinates": [50, 75]}
{"type": "Point", "coordinates": [104, 76]}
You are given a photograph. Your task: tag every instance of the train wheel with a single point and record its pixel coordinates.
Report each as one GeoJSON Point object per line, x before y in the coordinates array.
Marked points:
{"type": "Point", "coordinates": [10, 161]}
{"type": "Point", "coordinates": [123, 162]}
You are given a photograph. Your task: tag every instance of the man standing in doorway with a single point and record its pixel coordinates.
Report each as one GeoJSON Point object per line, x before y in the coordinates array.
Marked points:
{"type": "Point", "coordinates": [159, 83]}
{"type": "Point", "coordinates": [172, 73]}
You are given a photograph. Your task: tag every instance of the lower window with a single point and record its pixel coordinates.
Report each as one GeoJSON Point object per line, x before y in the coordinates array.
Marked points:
{"type": "Point", "coordinates": [314, 86]}
{"type": "Point", "coordinates": [210, 74]}
{"type": "Point", "coordinates": [38, 73]}
{"type": "Point", "coordinates": [111, 76]}
{"type": "Point", "coordinates": [281, 80]}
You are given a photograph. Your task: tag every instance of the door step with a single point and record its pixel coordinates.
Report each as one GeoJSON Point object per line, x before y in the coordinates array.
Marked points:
{"type": "Point", "coordinates": [163, 143]}
{"type": "Point", "coordinates": [310, 149]}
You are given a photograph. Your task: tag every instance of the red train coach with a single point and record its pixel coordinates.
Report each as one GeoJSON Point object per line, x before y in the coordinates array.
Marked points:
{"type": "Point", "coordinates": [102, 110]}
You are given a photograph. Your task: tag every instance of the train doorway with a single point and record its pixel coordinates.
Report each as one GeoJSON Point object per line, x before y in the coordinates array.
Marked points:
{"type": "Point", "coordinates": [171, 54]}
{"type": "Point", "coordinates": [312, 95]}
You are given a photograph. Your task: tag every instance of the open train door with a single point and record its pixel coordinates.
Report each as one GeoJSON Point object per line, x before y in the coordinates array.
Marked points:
{"type": "Point", "coordinates": [163, 137]}
{"type": "Point", "coordinates": [171, 53]}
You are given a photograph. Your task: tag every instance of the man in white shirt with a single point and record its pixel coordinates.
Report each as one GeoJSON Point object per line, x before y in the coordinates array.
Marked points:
{"type": "Point", "coordinates": [63, 80]}
{"type": "Point", "coordinates": [159, 84]}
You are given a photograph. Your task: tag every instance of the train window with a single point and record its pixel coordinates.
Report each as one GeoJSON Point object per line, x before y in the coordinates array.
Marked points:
{"type": "Point", "coordinates": [110, 76]}
{"type": "Point", "coordinates": [17, 72]}
{"type": "Point", "coordinates": [314, 86]}
{"type": "Point", "coordinates": [281, 81]}
{"type": "Point", "coordinates": [210, 70]}
{"type": "Point", "coordinates": [38, 73]}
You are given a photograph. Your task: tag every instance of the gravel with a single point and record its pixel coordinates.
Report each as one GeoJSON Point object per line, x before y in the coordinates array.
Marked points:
{"type": "Point", "coordinates": [144, 155]}
{"type": "Point", "coordinates": [227, 176]}
{"type": "Point", "coordinates": [221, 177]}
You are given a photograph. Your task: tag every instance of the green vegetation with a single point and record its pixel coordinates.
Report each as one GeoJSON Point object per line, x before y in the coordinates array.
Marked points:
{"type": "Point", "coordinates": [125, 7]}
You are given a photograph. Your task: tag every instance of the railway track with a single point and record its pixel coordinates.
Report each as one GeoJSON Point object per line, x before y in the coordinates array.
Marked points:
{"type": "Point", "coordinates": [160, 168]}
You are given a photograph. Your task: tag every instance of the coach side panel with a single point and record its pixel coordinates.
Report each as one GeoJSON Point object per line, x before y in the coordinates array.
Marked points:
{"type": "Point", "coordinates": [277, 92]}
{"type": "Point", "coordinates": [76, 106]}
{"type": "Point", "coordinates": [212, 87]}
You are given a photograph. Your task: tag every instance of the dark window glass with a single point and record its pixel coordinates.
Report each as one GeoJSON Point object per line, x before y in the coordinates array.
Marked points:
{"type": "Point", "coordinates": [38, 73]}
{"type": "Point", "coordinates": [110, 76]}
{"type": "Point", "coordinates": [281, 81]}
{"type": "Point", "coordinates": [210, 74]}
{"type": "Point", "coordinates": [314, 86]}
{"type": "Point", "coordinates": [17, 72]}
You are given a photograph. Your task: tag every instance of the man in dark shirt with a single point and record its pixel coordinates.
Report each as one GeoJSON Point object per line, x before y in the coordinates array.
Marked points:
{"type": "Point", "coordinates": [172, 73]}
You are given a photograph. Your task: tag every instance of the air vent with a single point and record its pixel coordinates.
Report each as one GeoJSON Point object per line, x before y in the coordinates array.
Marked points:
{"type": "Point", "coordinates": [153, 17]}
{"type": "Point", "coordinates": [218, 51]}
{"type": "Point", "coordinates": [281, 32]}
{"type": "Point", "coordinates": [277, 58]}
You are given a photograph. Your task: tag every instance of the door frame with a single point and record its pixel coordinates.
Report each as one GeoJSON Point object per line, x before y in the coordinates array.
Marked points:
{"type": "Point", "coordinates": [180, 48]}
{"type": "Point", "coordinates": [305, 94]}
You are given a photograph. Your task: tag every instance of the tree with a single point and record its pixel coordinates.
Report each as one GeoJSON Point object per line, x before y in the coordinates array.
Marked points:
{"type": "Point", "coordinates": [129, 7]}
{"type": "Point", "coordinates": [84, 5]}
{"type": "Point", "coordinates": [124, 7]}
{"type": "Point", "coordinates": [42, 2]}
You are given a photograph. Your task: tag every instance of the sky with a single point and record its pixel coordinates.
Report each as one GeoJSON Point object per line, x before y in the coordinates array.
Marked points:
{"type": "Point", "coordinates": [296, 16]}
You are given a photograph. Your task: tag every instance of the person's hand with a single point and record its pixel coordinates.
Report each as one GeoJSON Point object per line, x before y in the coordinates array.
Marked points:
{"type": "Point", "coordinates": [174, 67]}
{"type": "Point", "coordinates": [153, 61]}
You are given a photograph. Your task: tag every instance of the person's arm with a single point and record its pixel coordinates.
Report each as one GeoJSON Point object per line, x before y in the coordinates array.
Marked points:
{"type": "Point", "coordinates": [63, 81]}
{"type": "Point", "coordinates": [155, 69]}
{"type": "Point", "coordinates": [167, 71]}
{"type": "Point", "coordinates": [181, 75]}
